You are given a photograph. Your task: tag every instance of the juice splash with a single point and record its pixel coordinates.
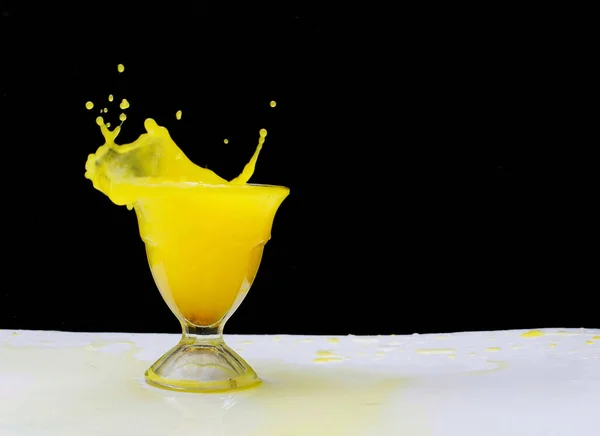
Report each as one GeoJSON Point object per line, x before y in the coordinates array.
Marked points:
{"type": "Point", "coordinates": [204, 235]}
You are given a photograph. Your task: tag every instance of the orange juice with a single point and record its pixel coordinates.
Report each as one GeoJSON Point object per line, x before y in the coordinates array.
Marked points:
{"type": "Point", "coordinates": [204, 235]}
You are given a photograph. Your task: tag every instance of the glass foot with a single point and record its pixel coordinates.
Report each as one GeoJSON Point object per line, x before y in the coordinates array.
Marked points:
{"type": "Point", "coordinates": [209, 366]}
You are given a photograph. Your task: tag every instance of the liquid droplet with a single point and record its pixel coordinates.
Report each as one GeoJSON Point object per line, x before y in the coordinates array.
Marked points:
{"type": "Point", "coordinates": [333, 340]}
{"type": "Point", "coordinates": [105, 110]}
{"type": "Point", "coordinates": [124, 104]}
{"type": "Point", "coordinates": [226, 141]}
{"type": "Point", "coordinates": [533, 334]}
{"type": "Point", "coordinates": [120, 68]}
{"type": "Point", "coordinates": [122, 117]}
{"type": "Point", "coordinates": [178, 115]}
{"type": "Point", "coordinates": [110, 97]}
{"type": "Point", "coordinates": [493, 349]}
{"type": "Point", "coordinates": [89, 105]}
{"type": "Point", "coordinates": [327, 359]}
{"type": "Point", "coordinates": [273, 103]}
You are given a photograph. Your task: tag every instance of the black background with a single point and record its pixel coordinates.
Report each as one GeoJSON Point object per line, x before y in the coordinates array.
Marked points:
{"type": "Point", "coordinates": [432, 187]}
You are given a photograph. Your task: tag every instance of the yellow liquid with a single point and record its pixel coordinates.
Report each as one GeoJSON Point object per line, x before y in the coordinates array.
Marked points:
{"type": "Point", "coordinates": [204, 235]}
{"type": "Point", "coordinates": [532, 334]}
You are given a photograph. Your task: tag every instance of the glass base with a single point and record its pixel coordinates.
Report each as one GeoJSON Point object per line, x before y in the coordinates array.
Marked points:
{"type": "Point", "coordinates": [205, 366]}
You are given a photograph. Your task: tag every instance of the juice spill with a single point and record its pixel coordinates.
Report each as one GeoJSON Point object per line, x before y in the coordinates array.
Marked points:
{"type": "Point", "coordinates": [89, 105]}
{"type": "Point", "coordinates": [120, 68]}
{"type": "Point", "coordinates": [178, 115]}
{"type": "Point", "coordinates": [204, 235]}
{"type": "Point", "coordinates": [596, 338]}
{"type": "Point", "coordinates": [325, 353]}
{"type": "Point", "coordinates": [327, 359]}
{"type": "Point", "coordinates": [532, 334]}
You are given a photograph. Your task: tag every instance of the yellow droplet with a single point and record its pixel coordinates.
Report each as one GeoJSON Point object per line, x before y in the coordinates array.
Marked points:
{"type": "Point", "coordinates": [532, 334]}
{"type": "Point", "coordinates": [589, 342]}
{"type": "Point", "coordinates": [226, 141]}
{"type": "Point", "coordinates": [492, 349]}
{"type": "Point", "coordinates": [110, 97]}
{"type": "Point", "coordinates": [178, 115]}
{"type": "Point", "coordinates": [452, 356]}
{"type": "Point", "coordinates": [124, 104]}
{"type": "Point", "coordinates": [327, 359]}
{"type": "Point", "coordinates": [122, 117]}
{"type": "Point", "coordinates": [273, 103]}
{"type": "Point", "coordinates": [596, 338]}
{"type": "Point", "coordinates": [89, 105]}
{"type": "Point", "coordinates": [333, 340]}
{"type": "Point", "coordinates": [120, 68]}
{"type": "Point", "coordinates": [107, 124]}
{"type": "Point", "coordinates": [552, 345]}
{"type": "Point", "coordinates": [105, 110]}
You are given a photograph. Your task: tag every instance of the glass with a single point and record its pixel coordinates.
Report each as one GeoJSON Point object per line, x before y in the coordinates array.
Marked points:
{"type": "Point", "coordinates": [204, 246]}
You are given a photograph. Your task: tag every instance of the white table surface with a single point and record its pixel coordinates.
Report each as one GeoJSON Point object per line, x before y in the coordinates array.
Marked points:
{"type": "Point", "coordinates": [463, 384]}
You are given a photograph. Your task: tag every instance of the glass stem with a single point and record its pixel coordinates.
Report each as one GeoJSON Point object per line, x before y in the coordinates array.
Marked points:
{"type": "Point", "coordinates": [202, 336]}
